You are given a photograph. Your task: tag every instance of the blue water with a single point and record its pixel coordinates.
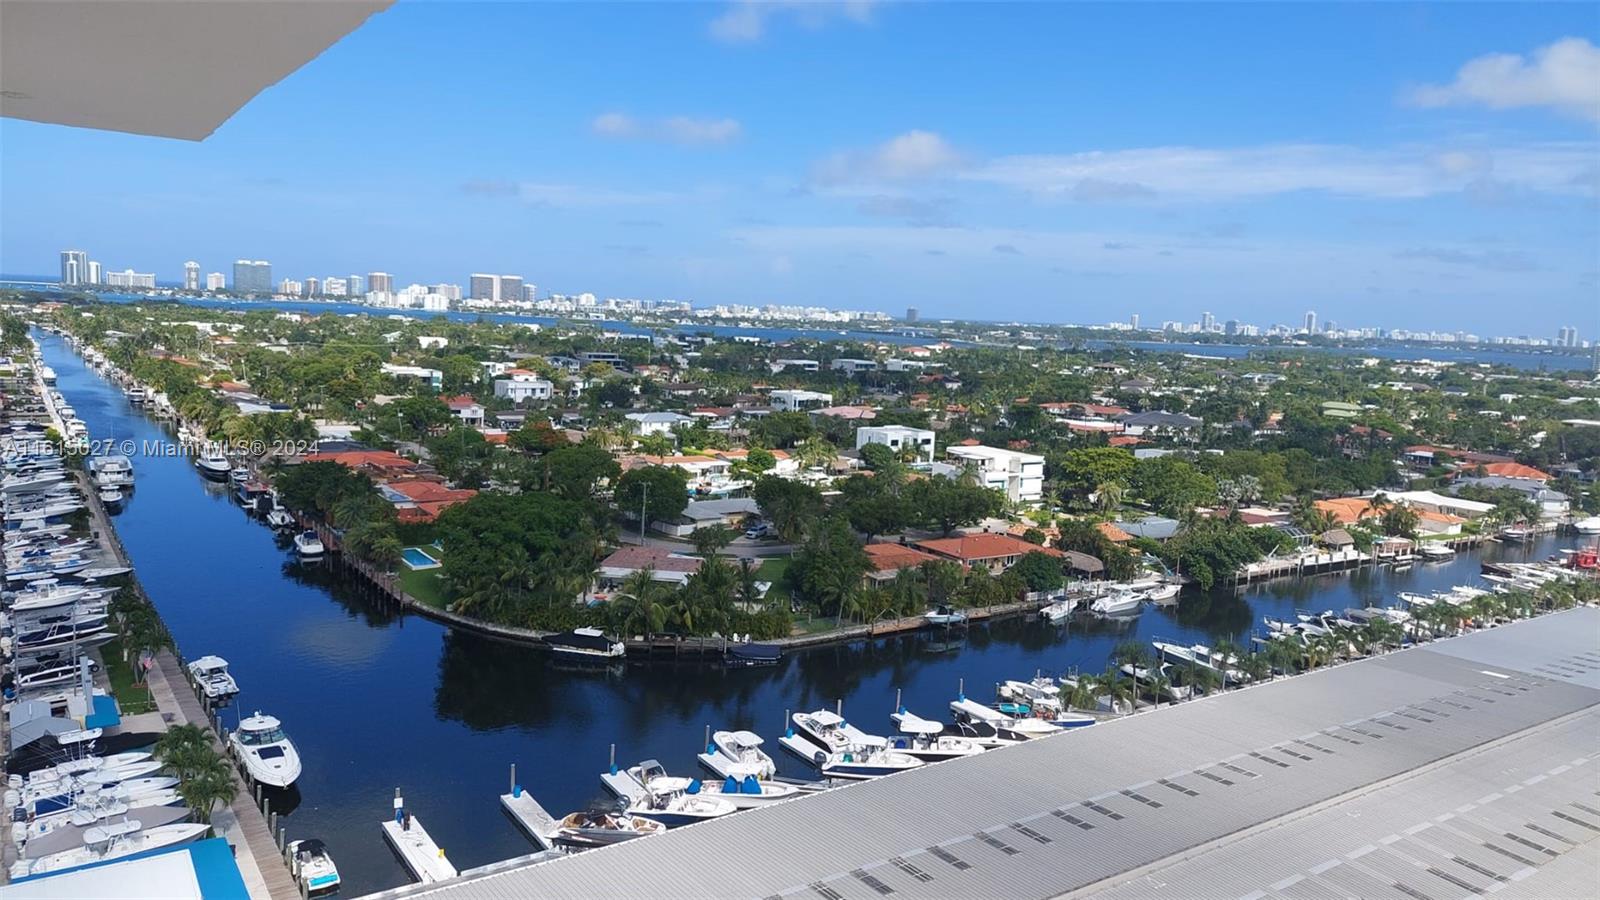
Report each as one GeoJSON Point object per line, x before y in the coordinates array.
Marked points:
{"type": "Point", "coordinates": [375, 700]}
{"type": "Point", "coordinates": [418, 559]}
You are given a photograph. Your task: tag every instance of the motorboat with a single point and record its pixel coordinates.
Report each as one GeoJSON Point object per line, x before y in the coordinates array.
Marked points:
{"type": "Point", "coordinates": [1120, 602]}
{"type": "Point", "coordinates": [1145, 678]}
{"type": "Point", "coordinates": [748, 654]}
{"type": "Point", "coordinates": [675, 802]}
{"type": "Point", "coordinates": [213, 464]}
{"type": "Point", "coordinates": [64, 794]}
{"type": "Point", "coordinates": [924, 739]}
{"type": "Point", "coordinates": [650, 777]}
{"type": "Point", "coordinates": [308, 545]}
{"type": "Point", "coordinates": [944, 615]}
{"type": "Point", "coordinates": [993, 728]}
{"type": "Point", "coordinates": [111, 498]}
{"type": "Point", "coordinates": [112, 841]}
{"type": "Point", "coordinates": [73, 767]}
{"type": "Point", "coordinates": [268, 755]}
{"type": "Point", "coordinates": [239, 474]}
{"type": "Point", "coordinates": [212, 675]}
{"type": "Point", "coordinates": [312, 866]}
{"type": "Point", "coordinates": [111, 470]}
{"type": "Point", "coordinates": [601, 828]}
{"type": "Point", "coordinates": [737, 754]}
{"type": "Point", "coordinates": [869, 760]}
{"type": "Point", "coordinates": [1434, 551]}
{"type": "Point", "coordinates": [1042, 694]}
{"type": "Point", "coordinates": [827, 731]}
{"type": "Point", "coordinates": [279, 517]}
{"type": "Point", "coordinates": [1058, 611]}
{"type": "Point", "coordinates": [1164, 593]}
{"type": "Point", "coordinates": [1591, 525]}
{"type": "Point", "coordinates": [61, 832]}
{"type": "Point", "coordinates": [1517, 534]}
{"type": "Point", "coordinates": [585, 644]}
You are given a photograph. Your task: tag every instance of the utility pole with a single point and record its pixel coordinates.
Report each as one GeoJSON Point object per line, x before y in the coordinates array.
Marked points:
{"type": "Point", "coordinates": [644, 516]}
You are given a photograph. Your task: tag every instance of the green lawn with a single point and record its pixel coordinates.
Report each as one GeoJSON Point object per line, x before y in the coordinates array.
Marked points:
{"type": "Point", "coordinates": [773, 570]}
{"type": "Point", "coordinates": [132, 698]}
{"type": "Point", "coordinates": [428, 586]}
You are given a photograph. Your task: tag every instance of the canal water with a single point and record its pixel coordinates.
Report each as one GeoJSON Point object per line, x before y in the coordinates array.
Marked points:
{"type": "Point", "coordinates": [375, 700]}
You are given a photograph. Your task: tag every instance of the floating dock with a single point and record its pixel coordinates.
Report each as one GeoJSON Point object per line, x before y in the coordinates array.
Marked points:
{"type": "Point", "coordinates": [532, 818]}
{"type": "Point", "coordinates": [422, 856]}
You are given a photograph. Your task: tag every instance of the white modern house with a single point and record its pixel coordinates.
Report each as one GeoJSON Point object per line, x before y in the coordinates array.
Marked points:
{"type": "Point", "coordinates": [796, 401]}
{"type": "Point", "coordinates": [520, 387]}
{"type": "Point", "coordinates": [1020, 476]}
{"type": "Point", "coordinates": [433, 377]}
{"type": "Point", "coordinates": [648, 423]}
{"type": "Point", "coordinates": [799, 365]}
{"type": "Point", "coordinates": [899, 438]}
{"type": "Point", "coordinates": [854, 366]}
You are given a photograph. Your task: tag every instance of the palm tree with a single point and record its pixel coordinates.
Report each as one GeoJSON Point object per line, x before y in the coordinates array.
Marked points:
{"type": "Point", "coordinates": [1255, 666]}
{"type": "Point", "coordinates": [1158, 685]}
{"type": "Point", "coordinates": [639, 608]}
{"type": "Point", "coordinates": [1113, 688]}
{"type": "Point", "coordinates": [209, 785]}
{"type": "Point", "coordinates": [1108, 497]}
{"type": "Point", "coordinates": [1135, 656]}
{"type": "Point", "coordinates": [1284, 656]}
{"type": "Point", "coordinates": [1226, 649]}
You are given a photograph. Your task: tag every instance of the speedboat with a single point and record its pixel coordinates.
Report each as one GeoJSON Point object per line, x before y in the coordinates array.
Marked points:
{"type": "Point", "coordinates": [268, 755]}
{"type": "Point", "coordinates": [737, 754]}
{"type": "Point", "coordinates": [1058, 611]}
{"type": "Point", "coordinates": [826, 731]}
{"type": "Point", "coordinates": [1433, 550]}
{"type": "Point", "coordinates": [924, 739]}
{"type": "Point", "coordinates": [278, 517]}
{"type": "Point", "coordinates": [308, 545]}
{"type": "Point", "coordinates": [674, 802]}
{"type": "Point", "coordinates": [1041, 694]}
{"type": "Point", "coordinates": [870, 759]}
{"type": "Point", "coordinates": [211, 673]}
{"type": "Point", "coordinates": [993, 728]}
{"type": "Point", "coordinates": [944, 615]}
{"type": "Point", "coordinates": [585, 644]}
{"type": "Point", "coordinates": [600, 828]}
{"type": "Point", "coordinates": [1516, 534]}
{"type": "Point", "coordinates": [112, 841]}
{"type": "Point", "coordinates": [213, 464]}
{"type": "Point", "coordinates": [650, 777]}
{"type": "Point", "coordinates": [313, 867]}
{"type": "Point", "coordinates": [1590, 525]}
{"type": "Point", "coordinates": [111, 498]}
{"type": "Point", "coordinates": [1120, 602]}
{"type": "Point", "coordinates": [238, 474]}
{"type": "Point", "coordinates": [1163, 593]}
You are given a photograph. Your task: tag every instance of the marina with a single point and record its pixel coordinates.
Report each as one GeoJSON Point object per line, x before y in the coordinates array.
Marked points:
{"type": "Point", "coordinates": [311, 646]}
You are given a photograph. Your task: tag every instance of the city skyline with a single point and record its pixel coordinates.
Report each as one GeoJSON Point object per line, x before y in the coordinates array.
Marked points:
{"type": "Point", "coordinates": [1413, 173]}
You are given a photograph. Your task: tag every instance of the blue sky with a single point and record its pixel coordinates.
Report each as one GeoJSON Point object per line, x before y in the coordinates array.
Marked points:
{"type": "Point", "coordinates": [1395, 165]}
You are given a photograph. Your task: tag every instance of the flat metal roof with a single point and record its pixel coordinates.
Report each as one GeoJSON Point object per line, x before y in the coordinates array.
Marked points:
{"type": "Point", "coordinates": [1398, 776]}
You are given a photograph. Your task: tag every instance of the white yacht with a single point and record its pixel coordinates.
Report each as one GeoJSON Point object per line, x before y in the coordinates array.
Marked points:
{"type": "Point", "coordinates": [311, 865]}
{"type": "Point", "coordinates": [737, 754]}
{"type": "Point", "coordinates": [213, 464]}
{"type": "Point", "coordinates": [111, 470]}
{"type": "Point", "coordinates": [308, 545]}
{"type": "Point", "coordinates": [1164, 592]}
{"type": "Point", "coordinates": [925, 740]}
{"type": "Point", "coordinates": [872, 759]}
{"type": "Point", "coordinates": [1434, 550]}
{"type": "Point", "coordinates": [278, 516]}
{"type": "Point", "coordinates": [1591, 525]}
{"type": "Point", "coordinates": [1058, 611]}
{"type": "Point", "coordinates": [267, 753]}
{"type": "Point", "coordinates": [598, 828]}
{"type": "Point", "coordinates": [744, 793]}
{"type": "Point", "coordinates": [112, 841]}
{"type": "Point", "coordinates": [211, 673]}
{"type": "Point", "coordinates": [111, 498]}
{"type": "Point", "coordinates": [1120, 602]}
{"type": "Point", "coordinates": [944, 615]}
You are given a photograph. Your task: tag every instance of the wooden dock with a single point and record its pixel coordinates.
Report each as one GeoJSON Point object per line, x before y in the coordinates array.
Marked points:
{"type": "Point", "coordinates": [422, 856]}
{"type": "Point", "coordinates": [531, 817]}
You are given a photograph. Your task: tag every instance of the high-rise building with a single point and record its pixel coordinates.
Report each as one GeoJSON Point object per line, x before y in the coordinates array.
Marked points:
{"type": "Point", "coordinates": [1207, 321]}
{"type": "Point", "coordinates": [216, 281]}
{"type": "Point", "coordinates": [530, 293]}
{"type": "Point", "coordinates": [335, 287]}
{"type": "Point", "coordinates": [1133, 321]}
{"type": "Point", "coordinates": [448, 291]}
{"type": "Point", "coordinates": [912, 315]}
{"type": "Point", "coordinates": [191, 276]}
{"type": "Point", "coordinates": [74, 267]}
{"type": "Point", "coordinates": [252, 276]}
{"type": "Point", "coordinates": [510, 288]}
{"type": "Point", "coordinates": [128, 278]}
{"type": "Point", "coordinates": [290, 288]}
{"type": "Point", "coordinates": [1567, 336]}
{"type": "Point", "coordinates": [1231, 328]}
{"type": "Point", "coordinates": [352, 285]}
{"type": "Point", "coordinates": [483, 287]}
{"type": "Point", "coordinates": [313, 286]}
{"type": "Point", "coordinates": [382, 282]}
{"type": "Point", "coordinates": [1311, 322]}
{"type": "Point", "coordinates": [95, 276]}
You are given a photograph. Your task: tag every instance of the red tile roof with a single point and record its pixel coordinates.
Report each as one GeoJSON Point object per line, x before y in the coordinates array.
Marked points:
{"type": "Point", "coordinates": [1515, 470]}
{"type": "Point", "coordinates": [1113, 533]}
{"type": "Point", "coordinates": [657, 558]}
{"type": "Point", "coordinates": [894, 557]}
{"type": "Point", "coordinates": [974, 547]}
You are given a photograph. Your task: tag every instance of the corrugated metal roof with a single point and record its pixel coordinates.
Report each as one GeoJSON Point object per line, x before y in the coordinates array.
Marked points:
{"type": "Point", "coordinates": [1267, 777]}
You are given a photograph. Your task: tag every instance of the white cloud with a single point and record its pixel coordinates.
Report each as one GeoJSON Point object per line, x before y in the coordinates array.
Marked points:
{"type": "Point", "coordinates": [675, 129]}
{"type": "Point", "coordinates": [915, 154]}
{"type": "Point", "coordinates": [1564, 76]}
{"type": "Point", "coordinates": [745, 21]}
{"type": "Point", "coordinates": [1212, 174]}
{"type": "Point", "coordinates": [569, 196]}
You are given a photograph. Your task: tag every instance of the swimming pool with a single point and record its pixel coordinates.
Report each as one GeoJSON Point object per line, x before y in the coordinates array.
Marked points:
{"type": "Point", "coordinates": [417, 558]}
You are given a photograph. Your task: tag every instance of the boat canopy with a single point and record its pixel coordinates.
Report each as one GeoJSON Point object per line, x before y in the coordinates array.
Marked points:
{"type": "Point", "coordinates": [826, 718]}
{"type": "Point", "coordinates": [312, 847]}
{"type": "Point", "coordinates": [580, 638]}
{"type": "Point", "coordinates": [978, 711]}
{"type": "Point", "coordinates": [745, 739]}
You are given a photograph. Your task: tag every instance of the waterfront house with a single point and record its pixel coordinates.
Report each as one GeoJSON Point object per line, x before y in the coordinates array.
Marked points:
{"type": "Point", "coordinates": [1552, 503]}
{"type": "Point", "coordinates": [728, 513]}
{"type": "Point", "coordinates": [379, 465]}
{"type": "Point", "coordinates": [1429, 501]}
{"type": "Point", "coordinates": [1156, 528]}
{"type": "Point", "coordinates": [995, 552]}
{"type": "Point", "coordinates": [422, 500]}
{"type": "Point", "coordinates": [665, 567]}
{"type": "Point", "coordinates": [1113, 534]}
{"type": "Point", "coordinates": [887, 560]}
